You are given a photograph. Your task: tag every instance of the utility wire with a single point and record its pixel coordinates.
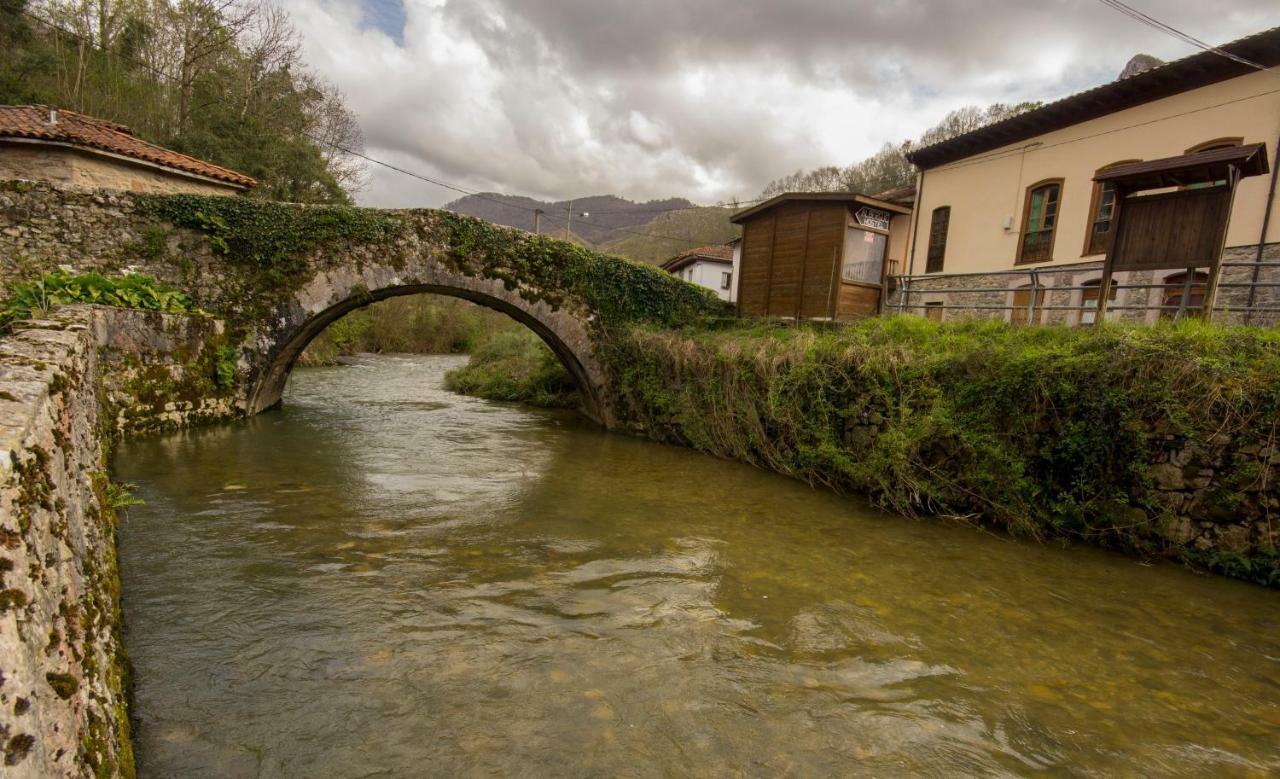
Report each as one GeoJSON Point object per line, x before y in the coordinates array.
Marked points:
{"type": "Point", "coordinates": [428, 179]}
{"type": "Point", "coordinates": [1151, 21]}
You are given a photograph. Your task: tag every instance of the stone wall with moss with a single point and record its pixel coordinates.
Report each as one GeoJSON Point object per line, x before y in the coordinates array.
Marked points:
{"type": "Point", "coordinates": [68, 386]}
{"type": "Point", "coordinates": [160, 372]}
{"type": "Point", "coordinates": [63, 674]}
{"type": "Point", "coordinates": [278, 273]}
{"type": "Point", "coordinates": [1161, 441]}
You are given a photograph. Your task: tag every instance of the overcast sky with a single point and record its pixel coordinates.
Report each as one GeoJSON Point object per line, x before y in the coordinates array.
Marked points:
{"type": "Point", "coordinates": [704, 99]}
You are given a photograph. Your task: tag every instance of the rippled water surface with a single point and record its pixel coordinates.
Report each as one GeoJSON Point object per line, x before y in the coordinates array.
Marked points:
{"type": "Point", "coordinates": [385, 579]}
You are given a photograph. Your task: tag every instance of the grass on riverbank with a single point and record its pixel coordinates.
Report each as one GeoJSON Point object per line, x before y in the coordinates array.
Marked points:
{"type": "Point", "coordinates": [508, 362]}
{"type": "Point", "coordinates": [516, 366]}
{"type": "Point", "coordinates": [1046, 432]}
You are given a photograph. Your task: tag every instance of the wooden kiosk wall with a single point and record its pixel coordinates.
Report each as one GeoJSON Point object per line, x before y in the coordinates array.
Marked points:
{"type": "Point", "coordinates": [791, 259]}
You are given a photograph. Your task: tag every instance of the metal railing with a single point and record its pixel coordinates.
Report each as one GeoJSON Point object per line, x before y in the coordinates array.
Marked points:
{"type": "Point", "coordinates": [912, 292]}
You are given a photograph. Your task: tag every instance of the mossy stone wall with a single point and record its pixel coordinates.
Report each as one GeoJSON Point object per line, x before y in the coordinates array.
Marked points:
{"type": "Point", "coordinates": [63, 694]}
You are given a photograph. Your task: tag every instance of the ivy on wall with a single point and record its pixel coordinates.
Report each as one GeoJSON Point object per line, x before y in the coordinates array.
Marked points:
{"type": "Point", "coordinates": [275, 239]}
{"type": "Point", "coordinates": [271, 236]}
{"type": "Point", "coordinates": [613, 289]}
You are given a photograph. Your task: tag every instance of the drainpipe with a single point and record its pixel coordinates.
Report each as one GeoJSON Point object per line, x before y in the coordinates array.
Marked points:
{"type": "Point", "coordinates": [915, 234]}
{"type": "Point", "coordinates": [1262, 238]}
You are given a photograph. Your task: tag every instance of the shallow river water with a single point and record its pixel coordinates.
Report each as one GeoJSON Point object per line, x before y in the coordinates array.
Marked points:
{"type": "Point", "coordinates": [385, 579]}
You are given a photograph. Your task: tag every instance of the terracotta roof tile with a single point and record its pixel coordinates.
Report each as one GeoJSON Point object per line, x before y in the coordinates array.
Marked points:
{"type": "Point", "coordinates": [81, 130]}
{"type": "Point", "coordinates": [717, 252]}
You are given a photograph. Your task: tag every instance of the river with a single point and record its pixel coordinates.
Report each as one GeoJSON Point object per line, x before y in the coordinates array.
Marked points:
{"type": "Point", "coordinates": [386, 579]}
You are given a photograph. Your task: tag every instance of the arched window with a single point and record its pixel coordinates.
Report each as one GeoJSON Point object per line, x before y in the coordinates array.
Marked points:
{"type": "Point", "coordinates": [1089, 300]}
{"type": "Point", "coordinates": [1102, 212]}
{"type": "Point", "coordinates": [1183, 294]}
{"type": "Point", "coordinates": [1216, 143]}
{"type": "Point", "coordinates": [938, 239]}
{"type": "Point", "coordinates": [1040, 221]}
{"type": "Point", "coordinates": [1023, 313]}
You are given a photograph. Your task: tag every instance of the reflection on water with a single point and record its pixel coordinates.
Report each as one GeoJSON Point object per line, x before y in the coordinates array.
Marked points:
{"type": "Point", "coordinates": [384, 579]}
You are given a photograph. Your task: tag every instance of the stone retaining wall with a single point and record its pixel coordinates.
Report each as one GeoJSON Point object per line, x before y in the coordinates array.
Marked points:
{"type": "Point", "coordinates": [64, 383]}
{"type": "Point", "coordinates": [1219, 495]}
{"type": "Point", "coordinates": [1063, 306]}
{"type": "Point", "coordinates": [63, 696]}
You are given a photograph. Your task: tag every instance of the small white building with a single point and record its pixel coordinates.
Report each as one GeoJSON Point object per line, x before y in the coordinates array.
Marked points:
{"type": "Point", "coordinates": [706, 266]}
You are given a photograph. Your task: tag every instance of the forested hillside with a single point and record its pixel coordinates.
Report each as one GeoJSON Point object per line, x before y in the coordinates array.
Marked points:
{"type": "Point", "coordinates": [605, 213]}
{"type": "Point", "coordinates": [218, 80]}
{"type": "Point", "coordinates": [651, 232]}
{"type": "Point", "coordinates": [675, 231]}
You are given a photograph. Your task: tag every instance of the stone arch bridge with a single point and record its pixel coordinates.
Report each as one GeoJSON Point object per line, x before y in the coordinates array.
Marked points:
{"type": "Point", "coordinates": [278, 274]}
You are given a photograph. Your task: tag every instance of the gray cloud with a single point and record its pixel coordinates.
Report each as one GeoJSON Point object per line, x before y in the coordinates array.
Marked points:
{"type": "Point", "coordinates": [708, 99]}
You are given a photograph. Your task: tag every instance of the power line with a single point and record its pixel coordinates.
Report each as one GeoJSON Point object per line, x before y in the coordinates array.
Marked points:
{"type": "Point", "coordinates": [1155, 23]}
{"type": "Point", "coordinates": [323, 141]}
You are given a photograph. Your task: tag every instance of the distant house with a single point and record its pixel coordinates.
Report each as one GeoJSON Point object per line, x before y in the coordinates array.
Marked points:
{"type": "Point", "coordinates": [67, 149]}
{"type": "Point", "coordinates": [819, 255]}
{"type": "Point", "coordinates": [1016, 220]}
{"type": "Point", "coordinates": [706, 266]}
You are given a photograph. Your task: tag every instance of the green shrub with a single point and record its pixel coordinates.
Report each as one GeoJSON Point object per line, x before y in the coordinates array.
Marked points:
{"type": "Point", "coordinates": [37, 298]}
{"type": "Point", "coordinates": [516, 366]}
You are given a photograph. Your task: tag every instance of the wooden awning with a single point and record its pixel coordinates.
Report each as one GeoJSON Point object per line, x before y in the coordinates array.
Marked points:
{"type": "Point", "coordinates": [1202, 167]}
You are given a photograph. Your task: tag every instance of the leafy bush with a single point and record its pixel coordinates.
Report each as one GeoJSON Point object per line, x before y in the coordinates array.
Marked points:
{"type": "Point", "coordinates": [1047, 432]}
{"type": "Point", "coordinates": [516, 366]}
{"type": "Point", "coordinates": [36, 298]}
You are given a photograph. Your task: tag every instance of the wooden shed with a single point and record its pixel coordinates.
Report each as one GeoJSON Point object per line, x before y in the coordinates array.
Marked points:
{"type": "Point", "coordinates": [824, 255]}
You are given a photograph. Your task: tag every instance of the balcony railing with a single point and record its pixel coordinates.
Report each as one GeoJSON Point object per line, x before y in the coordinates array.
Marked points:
{"type": "Point", "coordinates": [1026, 290]}
{"type": "Point", "coordinates": [1037, 246]}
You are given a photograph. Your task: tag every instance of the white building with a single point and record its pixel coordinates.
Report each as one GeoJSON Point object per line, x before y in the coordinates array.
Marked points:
{"type": "Point", "coordinates": [706, 266]}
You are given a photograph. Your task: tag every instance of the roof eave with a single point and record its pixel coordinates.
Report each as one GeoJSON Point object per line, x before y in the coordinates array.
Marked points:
{"type": "Point", "coordinates": [1193, 72]}
{"type": "Point", "coordinates": [844, 197]}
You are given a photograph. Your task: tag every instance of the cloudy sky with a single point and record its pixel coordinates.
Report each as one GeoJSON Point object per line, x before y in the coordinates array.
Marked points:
{"type": "Point", "coordinates": [705, 99]}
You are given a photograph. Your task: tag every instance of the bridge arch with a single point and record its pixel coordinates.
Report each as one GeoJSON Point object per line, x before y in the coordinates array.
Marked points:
{"type": "Point", "coordinates": [331, 295]}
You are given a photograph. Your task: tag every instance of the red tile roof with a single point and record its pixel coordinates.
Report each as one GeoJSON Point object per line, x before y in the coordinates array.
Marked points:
{"type": "Point", "coordinates": [718, 252]}
{"type": "Point", "coordinates": [27, 121]}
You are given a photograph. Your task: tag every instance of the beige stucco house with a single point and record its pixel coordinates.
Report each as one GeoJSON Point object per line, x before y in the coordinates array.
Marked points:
{"type": "Point", "coordinates": [67, 149]}
{"type": "Point", "coordinates": [1009, 221]}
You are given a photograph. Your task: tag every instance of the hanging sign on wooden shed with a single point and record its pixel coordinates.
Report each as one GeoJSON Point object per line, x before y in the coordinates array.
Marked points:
{"type": "Point", "coordinates": [873, 218]}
